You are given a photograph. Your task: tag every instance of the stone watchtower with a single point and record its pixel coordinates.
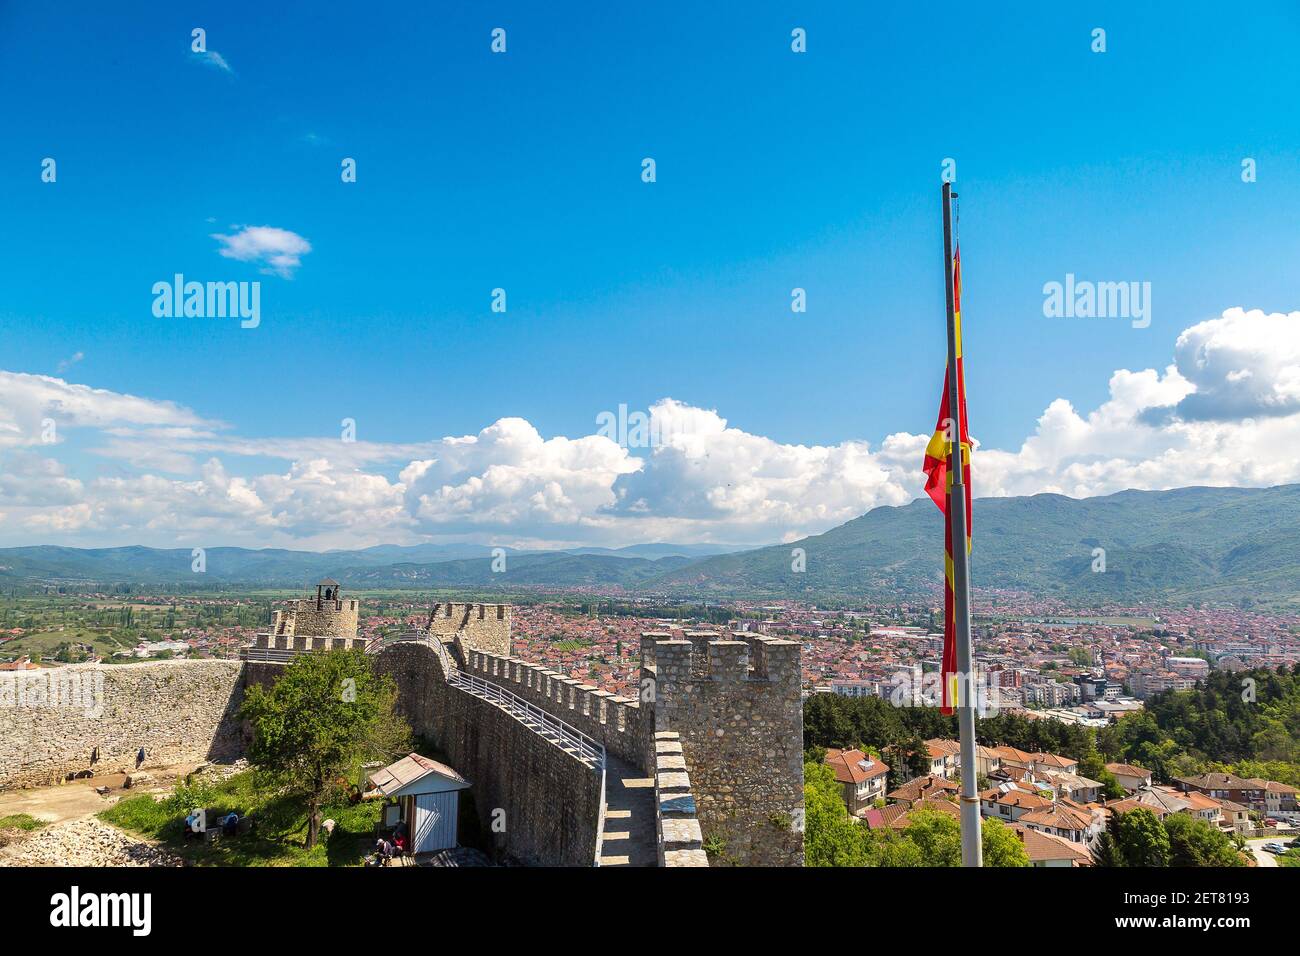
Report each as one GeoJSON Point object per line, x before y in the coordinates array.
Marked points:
{"type": "Point", "coordinates": [736, 703]}
{"type": "Point", "coordinates": [479, 627]}
{"type": "Point", "coordinates": [319, 623]}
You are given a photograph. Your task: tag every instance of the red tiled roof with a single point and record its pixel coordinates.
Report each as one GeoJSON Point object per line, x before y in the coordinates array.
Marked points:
{"type": "Point", "coordinates": [848, 765]}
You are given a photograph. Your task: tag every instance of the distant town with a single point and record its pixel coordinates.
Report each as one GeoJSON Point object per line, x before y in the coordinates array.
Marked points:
{"type": "Point", "coordinates": [1085, 666]}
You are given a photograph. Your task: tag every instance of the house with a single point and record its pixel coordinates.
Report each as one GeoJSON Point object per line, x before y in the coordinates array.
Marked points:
{"type": "Point", "coordinates": [945, 757]}
{"type": "Point", "coordinates": [1011, 758]}
{"type": "Point", "coordinates": [1165, 798]}
{"type": "Point", "coordinates": [1279, 800]}
{"type": "Point", "coordinates": [1228, 786]}
{"type": "Point", "coordinates": [424, 795]}
{"type": "Point", "coordinates": [987, 761]}
{"type": "Point", "coordinates": [1044, 849]}
{"type": "Point", "coordinates": [862, 779]}
{"type": "Point", "coordinates": [1128, 805]}
{"type": "Point", "coordinates": [1011, 804]}
{"type": "Point", "coordinates": [1130, 777]}
{"type": "Point", "coordinates": [1042, 763]}
{"type": "Point", "coordinates": [923, 788]}
{"type": "Point", "coordinates": [1202, 807]}
{"type": "Point", "coordinates": [1235, 817]}
{"type": "Point", "coordinates": [1066, 819]}
{"type": "Point", "coordinates": [897, 816]}
{"type": "Point", "coordinates": [1073, 786]}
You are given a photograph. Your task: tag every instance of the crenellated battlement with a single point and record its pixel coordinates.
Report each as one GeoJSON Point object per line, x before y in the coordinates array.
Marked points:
{"type": "Point", "coordinates": [614, 721]}
{"type": "Point", "coordinates": [485, 627]}
{"type": "Point", "coordinates": [304, 622]}
{"type": "Point", "coordinates": [708, 655]}
{"type": "Point", "coordinates": [736, 705]}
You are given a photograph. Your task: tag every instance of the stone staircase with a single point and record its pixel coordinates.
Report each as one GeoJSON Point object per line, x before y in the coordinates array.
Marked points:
{"type": "Point", "coordinates": [629, 837]}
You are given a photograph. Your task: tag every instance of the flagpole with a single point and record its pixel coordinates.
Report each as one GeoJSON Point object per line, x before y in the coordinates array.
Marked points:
{"type": "Point", "coordinates": [972, 845]}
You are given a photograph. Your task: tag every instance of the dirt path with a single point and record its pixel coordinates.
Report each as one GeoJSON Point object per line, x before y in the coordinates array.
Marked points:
{"type": "Point", "coordinates": [77, 798]}
{"type": "Point", "coordinates": [74, 837]}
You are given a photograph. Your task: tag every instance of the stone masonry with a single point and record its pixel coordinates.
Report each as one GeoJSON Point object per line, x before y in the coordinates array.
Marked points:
{"type": "Point", "coordinates": [536, 803]}
{"type": "Point", "coordinates": [737, 710]}
{"type": "Point", "coordinates": [718, 726]}
{"type": "Point", "coordinates": [483, 627]}
{"type": "Point", "coordinates": [53, 719]}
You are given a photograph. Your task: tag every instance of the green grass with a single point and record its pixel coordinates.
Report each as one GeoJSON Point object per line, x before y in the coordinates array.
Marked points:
{"type": "Point", "coordinates": [279, 834]}
{"type": "Point", "coordinates": [571, 644]}
{"type": "Point", "coordinates": [20, 821]}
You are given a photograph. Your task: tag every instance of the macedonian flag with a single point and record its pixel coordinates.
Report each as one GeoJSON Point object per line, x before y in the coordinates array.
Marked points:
{"type": "Point", "coordinates": [938, 486]}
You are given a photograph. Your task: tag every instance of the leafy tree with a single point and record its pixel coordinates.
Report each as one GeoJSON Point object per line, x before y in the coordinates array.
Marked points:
{"type": "Point", "coordinates": [1092, 766]}
{"type": "Point", "coordinates": [1141, 839]}
{"type": "Point", "coordinates": [1194, 842]}
{"type": "Point", "coordinates": [1107, 851]}
{"type": "Point", "coordinates": [326, 715]}
{"type": "Point", "coordinates": [937, 838]}
{"type": "Point", "coordinates": [831, 836]}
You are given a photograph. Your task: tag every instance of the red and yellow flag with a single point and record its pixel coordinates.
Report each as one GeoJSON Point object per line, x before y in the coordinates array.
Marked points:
{"type": "Point", "coordinates": [938, 486]}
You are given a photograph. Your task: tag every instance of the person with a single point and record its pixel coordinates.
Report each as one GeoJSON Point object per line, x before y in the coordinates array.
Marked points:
{"type": "Point", "coordinates": [383, 851]}
{"type": "Point", "coordinates": [230, 825]}
{"type": "Point", "coordinates": [399, 841]}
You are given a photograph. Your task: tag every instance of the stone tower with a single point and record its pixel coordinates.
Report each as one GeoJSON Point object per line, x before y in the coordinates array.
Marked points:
{"type": "Point", "coordinates": [482, 627]}
{"type": "Point", "coordinates": [737, 705]}
{"type": "Point", "coordinates": [326, 615]}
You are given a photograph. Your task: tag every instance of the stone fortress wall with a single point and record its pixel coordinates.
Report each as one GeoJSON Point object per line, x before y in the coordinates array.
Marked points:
{"type": "Point", "coordinates": [52, 720]}
{"type": "Point", "coordinates": [485, 626]}
{"type": "Point", "coordinates": [734, 705]}
{"type": "Point", "coordinates": [536, 803]}
{"type": "Point", "coordinates": [718, 726]}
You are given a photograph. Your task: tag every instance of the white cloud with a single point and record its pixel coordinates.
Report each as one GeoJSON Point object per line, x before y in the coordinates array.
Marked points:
{"type": "Point", "coordinates": [1243, 364]}
{"type": "Point", "coordinates": [1226, 412]}
{"type": "Point", "coordinates": [71, 360]}
{"type": "Point", "coordinates": [28, 402]}
{"type": "Point", "coordinates": [215, 60]}
{"type": "Point", "coordinates": [277, 251]}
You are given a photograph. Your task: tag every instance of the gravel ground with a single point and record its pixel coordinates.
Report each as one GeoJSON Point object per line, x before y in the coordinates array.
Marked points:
{"type": "Point", "coordinates": [86, 842]}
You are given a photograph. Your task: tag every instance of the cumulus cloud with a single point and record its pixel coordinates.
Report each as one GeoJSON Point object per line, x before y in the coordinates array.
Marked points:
{"type": "Point", "coordinates": [277, 251]}
{"type": "Point", "coordinates": [1245, 364]}
{"type": "Point", "coordinates": [1226, 411]}
{"type": "Point", "coordinates": [509, 479]}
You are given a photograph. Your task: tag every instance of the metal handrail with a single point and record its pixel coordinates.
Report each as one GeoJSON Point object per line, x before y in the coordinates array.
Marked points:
{"type": "Point", "coordinates": [277, 654]}
{"type": "Point", "coordinates": [540, 721]}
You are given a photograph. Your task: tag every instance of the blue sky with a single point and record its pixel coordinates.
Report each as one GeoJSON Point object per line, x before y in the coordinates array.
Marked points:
{"type": "Point", "coordinates": [775, 170]}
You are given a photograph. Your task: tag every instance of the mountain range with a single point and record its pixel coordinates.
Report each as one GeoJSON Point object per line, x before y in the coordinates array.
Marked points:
{"type": "Point", "coordinates": [1239, 545]}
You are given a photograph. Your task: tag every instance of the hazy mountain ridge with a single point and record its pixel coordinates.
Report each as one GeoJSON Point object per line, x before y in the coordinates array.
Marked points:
{"type": "Point", "coordinates": [1188, 543]}
{"type": "Point", "coordinates": [1229, 544]}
